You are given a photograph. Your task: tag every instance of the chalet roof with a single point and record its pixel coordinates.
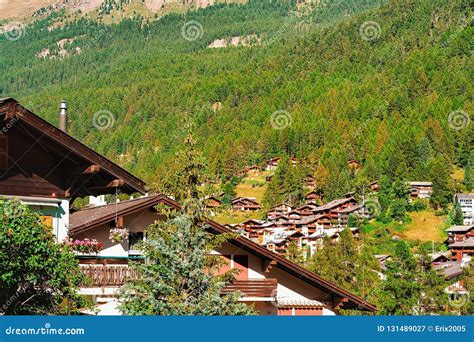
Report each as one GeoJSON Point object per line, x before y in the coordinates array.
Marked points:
{"type": "Point", "coordinates": [465, 196]}
{"type": "Point", "coordinates": [75, 149]}
{"type": "Point", "coordinates": [333, 204]}
{"type": "Point", "coordinates": [350, 209]}
{"type": "Point", "coordinates": [280, 205]}
{"type": "Point", "coordinates": [417, 183]}
{"type": "Point", "coordinates": [309, 219]}
{"type": "Point", "coordinates": [468, 243]}
{"type": "Point", "coordinates": [353, 301]}
{"type": "Point", "coordinates": [92, 216]}
{"type": "Point", "coordinates": [212, 198]}
{"type": "Point", "coordinates": [439, 255]}
{"type": "Point", "coordinates": [257, 222]}
{"type": "Point", "coordinates": [313, 192]}
{"type": "Point", "coordinates": [460, 228]}
{"type": "Point", "coordinates": [304, 206]}
{"type": "Point", "coordinates": [450, 269]}
{"type": "Point", "coordinates": [244, 199]}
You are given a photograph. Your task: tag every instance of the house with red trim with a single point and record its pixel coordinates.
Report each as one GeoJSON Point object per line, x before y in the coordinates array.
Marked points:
{"type": "Point", "coordinates": [268, 281]}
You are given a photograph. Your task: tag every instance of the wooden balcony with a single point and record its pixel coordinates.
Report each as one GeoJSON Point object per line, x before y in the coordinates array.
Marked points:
{"type": "Point", "coordinates": [108, 275]}
{"type": "Point", "coordinates": [117, 275]}
{"type": "Point", "coordinates": [253, 287]}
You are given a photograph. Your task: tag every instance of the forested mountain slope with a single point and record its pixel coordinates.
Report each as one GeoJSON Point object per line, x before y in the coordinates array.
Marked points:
{"type": "Point", "coordinates": [377, 86]}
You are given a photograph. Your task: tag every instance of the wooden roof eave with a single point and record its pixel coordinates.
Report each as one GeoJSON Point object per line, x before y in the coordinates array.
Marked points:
{"type": "Point", "coordinates": [274, 259]}
{"type": "Point", "coordinates": [12, 108]}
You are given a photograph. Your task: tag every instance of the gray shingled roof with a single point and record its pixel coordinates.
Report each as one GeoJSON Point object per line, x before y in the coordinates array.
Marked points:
{"type": "Point", "coordinates": [460, 228]}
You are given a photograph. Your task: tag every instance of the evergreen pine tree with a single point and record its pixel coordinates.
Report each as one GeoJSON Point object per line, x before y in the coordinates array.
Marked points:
{"type": "Point", "coordinates": [180, 276]}
{"type": "Point", "coordinates": [442, 192]}
{"type": "Point", "coordinates": [468, 177]}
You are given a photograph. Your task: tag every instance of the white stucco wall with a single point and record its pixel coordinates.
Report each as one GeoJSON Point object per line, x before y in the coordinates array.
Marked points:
{"type": "Point", "coordinates": [57, 208]}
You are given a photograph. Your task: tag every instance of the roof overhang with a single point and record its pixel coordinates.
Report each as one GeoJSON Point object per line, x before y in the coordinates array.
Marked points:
{"type": "Point", "coordinates": [115, 176]}
{"type": "Point", "coordinates": [339, 297]}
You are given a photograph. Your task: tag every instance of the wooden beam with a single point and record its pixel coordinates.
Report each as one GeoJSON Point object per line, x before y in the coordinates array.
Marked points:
{"type": "Point", "coordinates": [338, 301]}
{"type": "Point", "coordinates": [267, 265]}
{"type": "Point", "coordinates": [116, 183]}
{"type": "Point", "coordinates": [91, 169]}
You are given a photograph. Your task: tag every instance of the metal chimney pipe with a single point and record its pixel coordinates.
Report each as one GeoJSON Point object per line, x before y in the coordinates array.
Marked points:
{"type": "Point", "coordinates": [63, 117]}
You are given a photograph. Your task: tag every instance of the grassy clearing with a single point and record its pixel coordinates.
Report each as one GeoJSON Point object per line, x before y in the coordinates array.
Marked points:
{"type": "Point", "coordinates": [425, 226]}
{"type": "Point", "coordinates": [254, 185]}
{"type": "Point", "coordinates": [229, 216]}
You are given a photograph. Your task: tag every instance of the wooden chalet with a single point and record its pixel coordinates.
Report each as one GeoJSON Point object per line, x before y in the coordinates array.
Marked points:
{"type": "Point", "coordinates": [459, 249]}
{"type": "Point", "coordinates": [253, 227]}
{"type": "Point", "coordinates": [331, 208]}
{"type": "Point", "coordinates": [313, 197]}
{"type": "Point", "coordinates": [268, 281]}
{"type": "Point", "coordinates": [245, 204]}
{"type": "Point", "coordinates": [46, 168]}
{"type": "Point", "coordinates": [252, 168]}
{"type": "Point", "coordinates": [272, 164]}
{"type": "Point", "coordinates": [309, 181]}
{"type": "Point", "coordinates": [420, 189]}
{"type": "Point", "coordinates": [460, 233]}
{"type": "Point", "coordinates": [306, 210]}
{"type": "Point", "coordinates": [354, 164]}
{"type": "Point", "coordinates": [278, 210]}
{"type": "Point", "coordinates": [212, 202]}
{"type": "Point", "coordinates": [374, 186]}
{"type": "Point", "coordinates": [279, 242]}
{"type": "Point", "coordinates": [343, 213]}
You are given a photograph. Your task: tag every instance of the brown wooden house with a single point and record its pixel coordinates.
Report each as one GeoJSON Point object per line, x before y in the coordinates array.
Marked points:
{"type": "Point", "coordinates": [245, 204]}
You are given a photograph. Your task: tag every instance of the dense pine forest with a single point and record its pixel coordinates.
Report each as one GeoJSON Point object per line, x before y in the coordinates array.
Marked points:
{"type": "Point", "coordinates": [314, 85]}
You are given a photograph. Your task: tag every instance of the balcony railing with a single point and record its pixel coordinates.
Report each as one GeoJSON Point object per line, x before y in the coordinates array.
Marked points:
{"type": "Point", "coordinates": [253, 287]}
{"type": "Point", "coordinates": [117, 275]}
{"type": "Point", "coordinates": [108, 275]}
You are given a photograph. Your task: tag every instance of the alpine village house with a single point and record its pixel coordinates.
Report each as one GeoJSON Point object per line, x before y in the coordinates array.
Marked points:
{"type": "Point", "coordinates": [46, 168]}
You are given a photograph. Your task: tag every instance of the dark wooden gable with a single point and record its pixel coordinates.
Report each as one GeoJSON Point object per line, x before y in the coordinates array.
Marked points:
{"type": "Point", "coordinates": [40, 160]}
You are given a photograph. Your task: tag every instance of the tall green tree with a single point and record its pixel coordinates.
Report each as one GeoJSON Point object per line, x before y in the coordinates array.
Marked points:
{"type": "Point", "coordinates": [468, 177]}
{"type": "Point", "coordinates": [286, 185]}
{"type": "Point", "coordinates": [37, 274]}
{"type": "Point", "coordinates": [442, 192]}
{"type": "Point", "coordinates": [180, 276]}
{"type": "Point", "coordinates": [456, 216]}
{"type": "Point", "coordinates": [411, 286]}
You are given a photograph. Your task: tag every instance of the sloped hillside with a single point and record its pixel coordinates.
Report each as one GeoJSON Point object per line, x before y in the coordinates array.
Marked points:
{"type": "Point", "coordinates": [325, 83]}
